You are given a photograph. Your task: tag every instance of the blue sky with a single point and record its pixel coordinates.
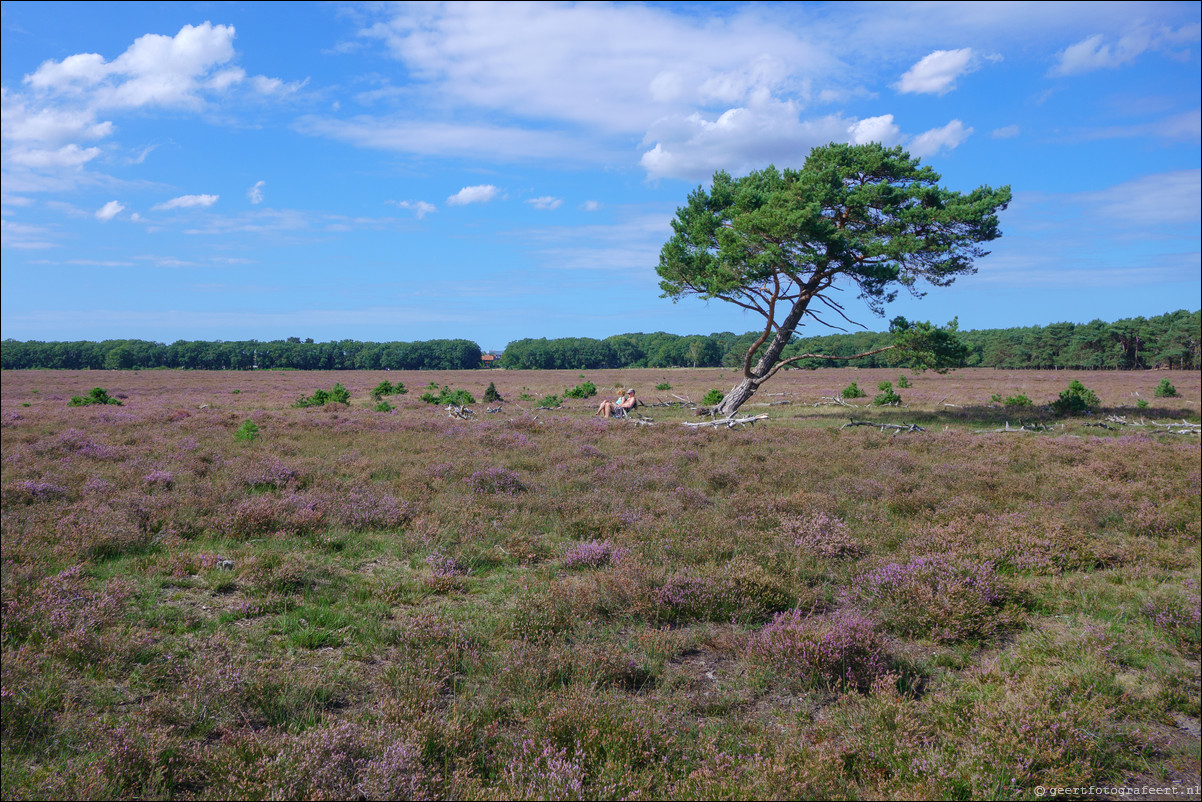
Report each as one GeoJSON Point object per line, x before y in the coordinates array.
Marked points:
{"type": "Point", "coordinates": [409, 172]}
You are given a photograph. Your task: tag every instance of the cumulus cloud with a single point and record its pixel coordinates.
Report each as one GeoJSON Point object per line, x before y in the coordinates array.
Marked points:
{"type": "Point", "coordinates": [255, 193]}
{"type": "Point", "coordinates": [108, 211]}
{"type": "Point", "coordinates": [155, 69]}
{"type": "Point", "coordinates": [937, 72]}
{"type": "Point", "coordinates": [481, 193]}
{"type": "Point", "coordinates": [419, 208]}
{"type": "Point", "coordinates": [187, 202]}
{"type": "Point", "coordinates": [546, 202]}
{"type": "Point", "coordinates": [937, 140]}
{"type": "Point", "coordinates": [875, 129]}
{"type": "Point", "coordinates": [1097, 52]}
{"type": "Point", "coordinates": [739, 140]}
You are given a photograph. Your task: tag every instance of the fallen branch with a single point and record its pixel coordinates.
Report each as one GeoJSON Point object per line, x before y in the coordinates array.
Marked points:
{"type": "Point", "coordinates": [898, 428]}
{"type": "Point", "coordinates": [1024, 427]}
{"type": "Point", "coordinates": [730, 421]}
{"type": "Point", "coordinates": [463, 413]}
{"type": "Point", "coordinates": [834, 400]}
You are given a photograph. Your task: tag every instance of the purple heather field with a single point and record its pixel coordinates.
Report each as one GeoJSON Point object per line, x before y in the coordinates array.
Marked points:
{"type": "Point", "coordinates": [212, 593]}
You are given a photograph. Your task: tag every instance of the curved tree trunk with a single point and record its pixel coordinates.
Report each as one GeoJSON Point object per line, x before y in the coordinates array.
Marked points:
{"type": "Point", "coordinates": [738, 395]}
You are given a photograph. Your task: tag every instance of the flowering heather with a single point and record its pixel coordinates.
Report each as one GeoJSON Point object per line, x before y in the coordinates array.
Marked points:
{"type": "Point", "coordinates": [159, 478]}
{"type": "Point", "coordinates": [289, 513]}
{"type": "Point", "coordinates": [294, 616]}
{"type": "Point", "coordinates": [363, 509]}
{"type": "Point", "coordinates": [820, 534]}
{"type": "Point", "coordinates": [496, 480]}
{"type": "Point", "coordinates": [443, 566]}
{"type": "Point", "coordinates": [542, 771]}
{"type": "Point", "coordinates": [593, 554]}
{"type": "Point", "coordinates": [267, 474]}
{"type": "Point", "coordinates": [1178, 613]}
{"type": "Point", "coordinates": [843, 651]}
{"type": "Point", "coordinates": [27, 491]}
{"type": "Point", "coordinates": [936, 597]}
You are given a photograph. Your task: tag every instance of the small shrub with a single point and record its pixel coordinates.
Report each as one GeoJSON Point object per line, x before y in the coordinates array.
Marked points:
{"type": "Point", "coordinates": [1017, 401]}
{"type": "Point", "coordinates": [593, 554]}
{"type": "Point", "coordinates": [1076, 400]}
{"type": "Point", "coordinates": [853, 391]}
{"type": "Point", "coordinates": [886, 398]}
{"type": "Point", "coordinates": [384, 406]}
{"type": "Point", "coordinates": [712, 397]}
{"type": "Point", "coordinates": [585, 390]}
{"type": "Point", "coordinates": [947, 600]}
{"type": "Point", "coordinates": [903, 382]}
{"type": "Point", "coordinates": [338, 395]}
{"type": "Point", "coordinates": [663, 387]}
{"type": "Point", "coordinates": [387, 388]}
{"type": "Point", "coordinates": [1142, 403]}
{"type": "Point", "coordinates": [844, 652]}
{"type": "Point", "coordinates": [551, 401]}
{"type": "Point", "coordinates": [496, 480]}
{"type": "Point", "coordinates": [446, 396]}
{"type": "Point", "coordinates": [1165, 389]}
{"type": "Point", "coordinates": [98, 395]}
{"type": "Point", "coordinates": [247, 432]}
{"type": "Point", "coordinates": [491, 395]}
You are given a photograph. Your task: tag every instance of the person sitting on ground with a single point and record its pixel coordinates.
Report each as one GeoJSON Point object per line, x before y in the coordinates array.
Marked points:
{"type": "Point", "coordinates": [624, 403]}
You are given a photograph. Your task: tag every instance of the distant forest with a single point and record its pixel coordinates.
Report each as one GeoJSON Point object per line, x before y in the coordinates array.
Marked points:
{"type": "Point", "coordinates": [1170, 341]}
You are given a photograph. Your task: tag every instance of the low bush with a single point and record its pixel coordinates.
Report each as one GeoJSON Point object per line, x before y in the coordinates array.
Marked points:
{"type": "Point", "coordinates": [448, 396]}
{"type": "Point", "coordinates": [950, 601]}
{"type": "Point", "coordinates": [713, 397]}
{"type": "Point", "coordinates": [247, 432]}
{"type": "Point", "coordinates": [491, 395]}
{"type": "Point", "coordinates": [852, 391]}
{"type": "Point", "coordinates": [1012, 401]}
{"type": "Point", "coordinates": [663, 387]}
{"type": "Point", "coordinates": [338, 395]}
{"type": "Point", "coordinates": [886, 398]}
{"type": "Point", "coordinates": [903, 382]}
{"type": "Point", "coordinates": [1165, 389]}
{"type": "Point", "coordinates": [387, 388]}
{"type": "Point", "coordinates": [1076, 400]}
{"type": "Point", "coordinates": [585, 390]}
{"type": "Point", "coordinates": [98, 395]}
{"type": "Point", "coordinates": [842, 652]}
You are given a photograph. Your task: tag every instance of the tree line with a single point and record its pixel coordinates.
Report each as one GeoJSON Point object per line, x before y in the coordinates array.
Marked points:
{"type": "Point", "coordinates": [1170, 341]}
{"type": "Point", "coordinates": [292, 353]}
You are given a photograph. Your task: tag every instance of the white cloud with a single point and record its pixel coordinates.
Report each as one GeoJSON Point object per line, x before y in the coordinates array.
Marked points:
{"type": "Point", "coordinates": [108, 211]}
{"type": "Point", "coordinates": [481, 193]}
{"type": "Point", "coordinates": [1097, 52]}
{"type": "Point", "coordinates": [25, 235]}
{"type": "Point", "coordinates": [739, 140]}
{"type": "Point", "coordinates": [590, 206]}
{"type": "Point", "coordinates": [419, 208]}
{"type": "Point", "coordinates": [255, 193]}
{"type": "Point", "coordinates": [155, 69]}
{"type": "Point", "coordinates": [546, 202]}
{"type": "Point", "coordinates": [613, 68]}
{"type": "Point", "coordinates": [66, 156]}
{"type": "Point", "coordinates": [503, 143]}
{"type": "Point", "coordinates": [1006, 132]}
{"type": "Point", "coordinates": [1162, 199]}
{"type": "Point", "coordinates": [875, 129]}
{"type": "Point", "coordinates": [188, 202]}
{"type": "Point", "coordinates": [937, 72]}
{"type": "Point", "coordinates": [937, 140]}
